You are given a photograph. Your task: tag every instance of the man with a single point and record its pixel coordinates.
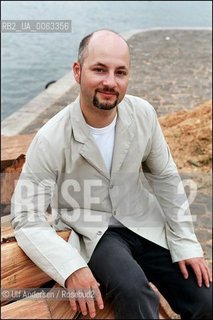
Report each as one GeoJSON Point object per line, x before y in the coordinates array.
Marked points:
{"type": "Point", "coordinates": [89, 161]}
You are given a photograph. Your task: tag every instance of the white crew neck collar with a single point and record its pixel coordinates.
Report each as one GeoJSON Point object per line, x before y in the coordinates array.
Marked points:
{"type": "Point", "coordinates": [103, 130]}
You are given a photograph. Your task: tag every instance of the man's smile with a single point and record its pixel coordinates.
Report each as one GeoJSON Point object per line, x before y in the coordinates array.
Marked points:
{"type": "Point", "coordinates": [107, 94]}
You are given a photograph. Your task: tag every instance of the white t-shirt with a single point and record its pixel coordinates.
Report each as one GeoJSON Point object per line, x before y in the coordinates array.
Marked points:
{"type": "Point", "coordinates": [104, 138]}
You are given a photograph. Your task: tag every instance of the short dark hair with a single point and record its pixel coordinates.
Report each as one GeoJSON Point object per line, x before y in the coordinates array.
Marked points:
{"type": "Point", "coordinates": [85, 41]}
{"type": "Point", "coordinates": [82, 48]}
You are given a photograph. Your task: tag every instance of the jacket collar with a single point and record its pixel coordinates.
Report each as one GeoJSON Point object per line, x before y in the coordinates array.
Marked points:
{"type": "Point", "coordinates": [125, 130]}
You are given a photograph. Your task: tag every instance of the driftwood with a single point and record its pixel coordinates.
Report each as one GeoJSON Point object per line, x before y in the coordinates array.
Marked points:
{"type": "Point", "coordinates": [6, 231]}
{"type": "Point", "coordinates": [13, 146]}
{"type": "Point", "coordinates": [13, 150]}
{"type": "Point", "coordinates": [8, 177]}
{"type": "Point", "coordinates": [10, 171]}
{"type": "Point", "coordinates": [26, 309]}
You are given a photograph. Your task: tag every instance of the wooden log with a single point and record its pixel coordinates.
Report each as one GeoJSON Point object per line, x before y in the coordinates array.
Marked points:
{"type": "Point", "coordinates": [26, 309]}
{"type": "Point", "coordinates": [9, 176]}
{"type": "Point", "coordinates": [17, 270]}
{"type": "Point", "coordinates": [13, 150]}
{"type": "Point", "coordinates": [12, 147]}
{"type": "Point", "coordinates": [6, 231]}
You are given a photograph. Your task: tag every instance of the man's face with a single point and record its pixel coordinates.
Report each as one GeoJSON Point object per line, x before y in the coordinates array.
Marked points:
{"type": "Point", "coordinates": [104, 75]}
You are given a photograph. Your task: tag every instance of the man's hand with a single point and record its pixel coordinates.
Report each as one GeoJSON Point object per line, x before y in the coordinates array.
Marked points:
{"type": "Point", "coordinates": [86, 289]}
{"type": "Point", "coordinates": [200, 268]}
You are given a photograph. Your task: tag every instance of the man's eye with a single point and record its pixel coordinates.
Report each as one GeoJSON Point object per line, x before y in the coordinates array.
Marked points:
{"type": "Point", "coordinates": [121, 73]}
{"type": "Point", "coordinates": [99, 70]}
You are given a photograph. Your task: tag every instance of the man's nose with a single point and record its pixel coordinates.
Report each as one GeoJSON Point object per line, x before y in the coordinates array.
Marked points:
{"type": "Point", "coordinates": [109, 80]}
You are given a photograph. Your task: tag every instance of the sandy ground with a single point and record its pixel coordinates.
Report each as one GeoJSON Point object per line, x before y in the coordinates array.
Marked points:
{"type": "Point", "coordinates": [189, 135]}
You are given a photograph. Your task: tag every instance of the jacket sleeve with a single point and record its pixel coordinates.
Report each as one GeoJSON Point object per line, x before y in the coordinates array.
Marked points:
{"type": "Point", "coordinates": [162, 175]}
{"type": "Point", "coordinates": [29, 203]}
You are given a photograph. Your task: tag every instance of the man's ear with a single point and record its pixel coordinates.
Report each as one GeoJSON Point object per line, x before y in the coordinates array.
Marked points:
{"type": "Point", "coordinates": [77, 71]}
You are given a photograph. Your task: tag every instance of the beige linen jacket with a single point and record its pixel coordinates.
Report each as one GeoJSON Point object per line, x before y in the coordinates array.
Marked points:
{"type": "Point", "coordinates": [64, 167]}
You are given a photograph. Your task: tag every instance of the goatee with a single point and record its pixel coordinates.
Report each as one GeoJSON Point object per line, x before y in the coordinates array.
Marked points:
{"type": "Point", "coordinates": [105, 106]}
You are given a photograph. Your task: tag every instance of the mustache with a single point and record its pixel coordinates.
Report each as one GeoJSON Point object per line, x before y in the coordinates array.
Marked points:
{"type": "Point", "coordinates": [107, 90]}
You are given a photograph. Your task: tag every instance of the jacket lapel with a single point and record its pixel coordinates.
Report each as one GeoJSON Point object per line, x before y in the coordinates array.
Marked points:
{"type": "Point", "coordinates": [125, 131]}
{"type": "Point", "coordinates": [92, 154]}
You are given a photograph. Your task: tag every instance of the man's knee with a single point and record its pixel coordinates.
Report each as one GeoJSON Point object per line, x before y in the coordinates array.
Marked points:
{"type": "Point", "coordinates": [134, 300]}
{"type": "Point", "coordinates": [134, 290]}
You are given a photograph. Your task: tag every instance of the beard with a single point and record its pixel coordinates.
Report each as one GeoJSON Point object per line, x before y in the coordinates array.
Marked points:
{"type": "Point", "coordinates": [105, 105]}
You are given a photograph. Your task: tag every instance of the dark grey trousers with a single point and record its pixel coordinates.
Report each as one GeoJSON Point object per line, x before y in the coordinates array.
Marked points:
{"type": "Point", "coordinates": [124, 263]}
